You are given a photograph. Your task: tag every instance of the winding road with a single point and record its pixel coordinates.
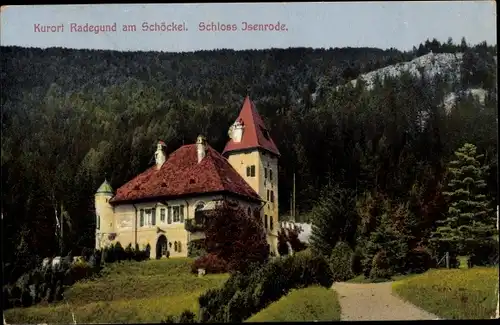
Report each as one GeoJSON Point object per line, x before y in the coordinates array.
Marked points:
{"type": "Point", "coordinates": [375, 301]}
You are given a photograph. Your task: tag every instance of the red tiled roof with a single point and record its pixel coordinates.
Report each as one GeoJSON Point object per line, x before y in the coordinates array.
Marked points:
{"type": "Point", "coordinates": [181, 175]}
{"type": "Point", "coordinates": [255, 133]}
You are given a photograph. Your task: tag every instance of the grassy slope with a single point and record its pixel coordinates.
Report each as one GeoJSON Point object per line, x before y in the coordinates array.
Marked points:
{"type": "Point", "coordinates": [309, 304]}
{"type": "Point", "coordinates": [453, 294]}
{"type": "Point", "coordinates": [127, 292]}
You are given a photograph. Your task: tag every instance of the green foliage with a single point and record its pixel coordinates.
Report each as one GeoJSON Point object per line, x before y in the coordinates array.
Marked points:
{"type": "Point", "coordinates": [340, 262]}
{"type": "Point", "coordinates": [381, 268]}
{"type": "Point", "coordinates": [290, 236]}
{"type": "Point", "coordinates": [357, 261]}
{"type": "Point", "coordinates": [187, 316]}
{"type": "Point", "coordinates": [128, 292]}
{"type": "Point", "coordinates": [470, 220]}
{"type": "Point", "coordinates": [334, 219]}
{"type": "Point", "coordinates": [390, 231]}
{"type": "Point", "coordinates": [419, 260]}
{"type": "Point", "coordinates": [211, 263]}
{"type": "Point", "coordinates": [486, 254]}
{"type": "Point", "coordinates": [169, 320]}
{"type": "Point", "coordinates": [242, 295]}
{"type": "Point", "coordinates": [282, 243]}
{"type": "Point", "coordinates": [236, 238]}
{"type": "Point", "coordinates": [115, 253]}
{"type": "Point", "coordinates": [196, 248]}
{"type": "Point", "coordinates": [376, 136]}
{"type": "Point", "coordinates": [49, 283]}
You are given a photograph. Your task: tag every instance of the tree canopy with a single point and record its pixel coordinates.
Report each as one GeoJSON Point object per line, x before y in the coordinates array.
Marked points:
{"type": "Point", "coordinates": [70, 118]}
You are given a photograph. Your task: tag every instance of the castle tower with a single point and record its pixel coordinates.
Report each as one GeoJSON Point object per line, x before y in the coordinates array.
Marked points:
{"type": "Point", "coordinates": [253, 154]}
{"type": "Point", "coordinates": [104, 214]}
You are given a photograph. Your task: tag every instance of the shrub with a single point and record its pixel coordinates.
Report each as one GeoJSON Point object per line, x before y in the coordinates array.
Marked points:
{"type": "Point", "coordinates": [50, 293]}
{"type": "Point", "coordinates": [293, 239]}
{"type": "Point", "coordinates": [236, 237]}
{"type": "Point", "coordinates": [244, 294]}
{"type": "Point", "coordinates": [80, 271]}
{"type": "Point", "coordinates": [6, 303]}
{"type": "Point", "coordinates": [196, 248]}
{"type": "Point", "coordinates": [59, 290]}
{"type": "Point", "coordinates": [128, 252]}
{"type": "Point", "coordinates": [282, 243]}
{"type": "Point", "coordinates": [357, 261]}
{"type": "Point", "coordinates": [380, 266]}
{"type": "Point", "coordinates": [211, 263]}
{"type": "Point", "coordinates": [485, 255]}
{"type": "Point", "coordinates": [86, 253]}
{"type": "Point", "coordinates": [169, 320]}
{"type": "Point", "coordinates": [340, 262]}
{"type": "Point", "coordinates": [119, 252]}
{"type": "Point", "coordinates": [26, 299]}
{"type": "Point", "coordinates": [42, 292]}
{"type": "Point", "coordinates": [15, 295]}
{"type": "Point", "coordinates": [187, 317]}
{"type": "Point", "coordinates": [419, 260]}
{"type": "Point", "coordinates": [454, 261]}
{"type": "Point", "coordinates": [106, 255]}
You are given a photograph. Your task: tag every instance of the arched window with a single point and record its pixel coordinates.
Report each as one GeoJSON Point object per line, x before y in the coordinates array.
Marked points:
{"type": "Point", "coordinates": [199, 213]}
{"type": "Point", "coordinates": [175, 246]}
{"type": "Point", "coordinates": [271, 223]}
{"type": "Point", "coordinates": [98, 221]}
{"type": "Point", "coordinates": [199, 206]}
{"type": "Point", "coordinates": [179, 247]}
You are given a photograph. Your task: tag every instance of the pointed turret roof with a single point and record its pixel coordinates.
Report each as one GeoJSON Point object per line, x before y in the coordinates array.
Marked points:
{"type": "Point", "coordinates": [104, 189]}
{"type": "Point", "coordinates": [255, 133]}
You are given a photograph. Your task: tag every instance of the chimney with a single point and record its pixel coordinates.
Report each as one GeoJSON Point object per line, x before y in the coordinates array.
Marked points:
{"type": "Point", "coordinates": [160, 154]}
{"type": "Point", "coordinates": [201, 147]}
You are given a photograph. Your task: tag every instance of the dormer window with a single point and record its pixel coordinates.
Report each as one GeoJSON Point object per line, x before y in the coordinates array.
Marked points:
{"type": "Point", "coordinates": [251, 171]}
{"type": "Point", "coordinates": [236, 130]}
{"type": "Point", "coordinates": [265, 133]}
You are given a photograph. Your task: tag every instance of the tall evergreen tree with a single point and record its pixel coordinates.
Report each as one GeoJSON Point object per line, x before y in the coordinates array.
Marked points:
{"type": "Point", "coordinates": [470, 223]}
{"type": "Point", "coordinates": [334, 218]}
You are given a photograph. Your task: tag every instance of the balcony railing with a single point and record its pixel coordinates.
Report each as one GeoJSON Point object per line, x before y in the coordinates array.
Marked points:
{"type": "Point", "coordinates": [191, 226]}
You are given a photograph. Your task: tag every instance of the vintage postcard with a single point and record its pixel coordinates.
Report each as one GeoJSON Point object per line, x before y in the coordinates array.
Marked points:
{"type": "Point", "coordinates": [249, 162]}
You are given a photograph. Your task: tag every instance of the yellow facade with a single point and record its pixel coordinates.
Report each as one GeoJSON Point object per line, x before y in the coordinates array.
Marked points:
{"type": "Point", "coordinates": [263, 178]}
{"type": "Point", "coordinates": [124, 223]}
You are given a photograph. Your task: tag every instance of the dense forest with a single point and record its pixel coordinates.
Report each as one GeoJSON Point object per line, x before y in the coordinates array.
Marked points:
{"type": "Point", "coordinates": [70, 118]}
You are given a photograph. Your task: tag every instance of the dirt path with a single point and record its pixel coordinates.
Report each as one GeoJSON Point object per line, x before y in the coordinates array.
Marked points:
{"type": "Point", "coordinates": [375, 301]}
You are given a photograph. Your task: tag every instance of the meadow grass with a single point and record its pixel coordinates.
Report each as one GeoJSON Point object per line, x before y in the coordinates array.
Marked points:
{"type": "Point", "coordinates": [126, 292]}
{"type": "Point", "coordinates": [453, 294]}
{"type": "Point", "coordinates": [313, 303]}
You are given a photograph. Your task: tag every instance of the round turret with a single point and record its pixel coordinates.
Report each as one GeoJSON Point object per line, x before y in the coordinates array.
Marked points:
{"type": "Point", "coordinates": [105, 189]}
{"type": "Point", "coordinates": [104, 214]}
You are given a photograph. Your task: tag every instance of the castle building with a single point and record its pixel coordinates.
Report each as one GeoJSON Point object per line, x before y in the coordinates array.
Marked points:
{"type": "Point", "coordinates": [162, 206]}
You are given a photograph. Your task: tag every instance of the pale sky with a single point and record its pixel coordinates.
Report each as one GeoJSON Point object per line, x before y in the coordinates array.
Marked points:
{"type": "Point", "coordinates": [377, 24]}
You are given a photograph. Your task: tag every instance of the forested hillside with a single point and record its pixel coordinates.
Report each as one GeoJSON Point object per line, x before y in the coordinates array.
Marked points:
{"type": "Point", "coordinates": [70, 118]}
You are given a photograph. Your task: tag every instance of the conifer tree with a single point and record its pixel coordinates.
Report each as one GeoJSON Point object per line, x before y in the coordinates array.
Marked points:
{"type": "Point", "coordinates": [334, 218]}
{"type": "Point", "coordinates": [469, 223]}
